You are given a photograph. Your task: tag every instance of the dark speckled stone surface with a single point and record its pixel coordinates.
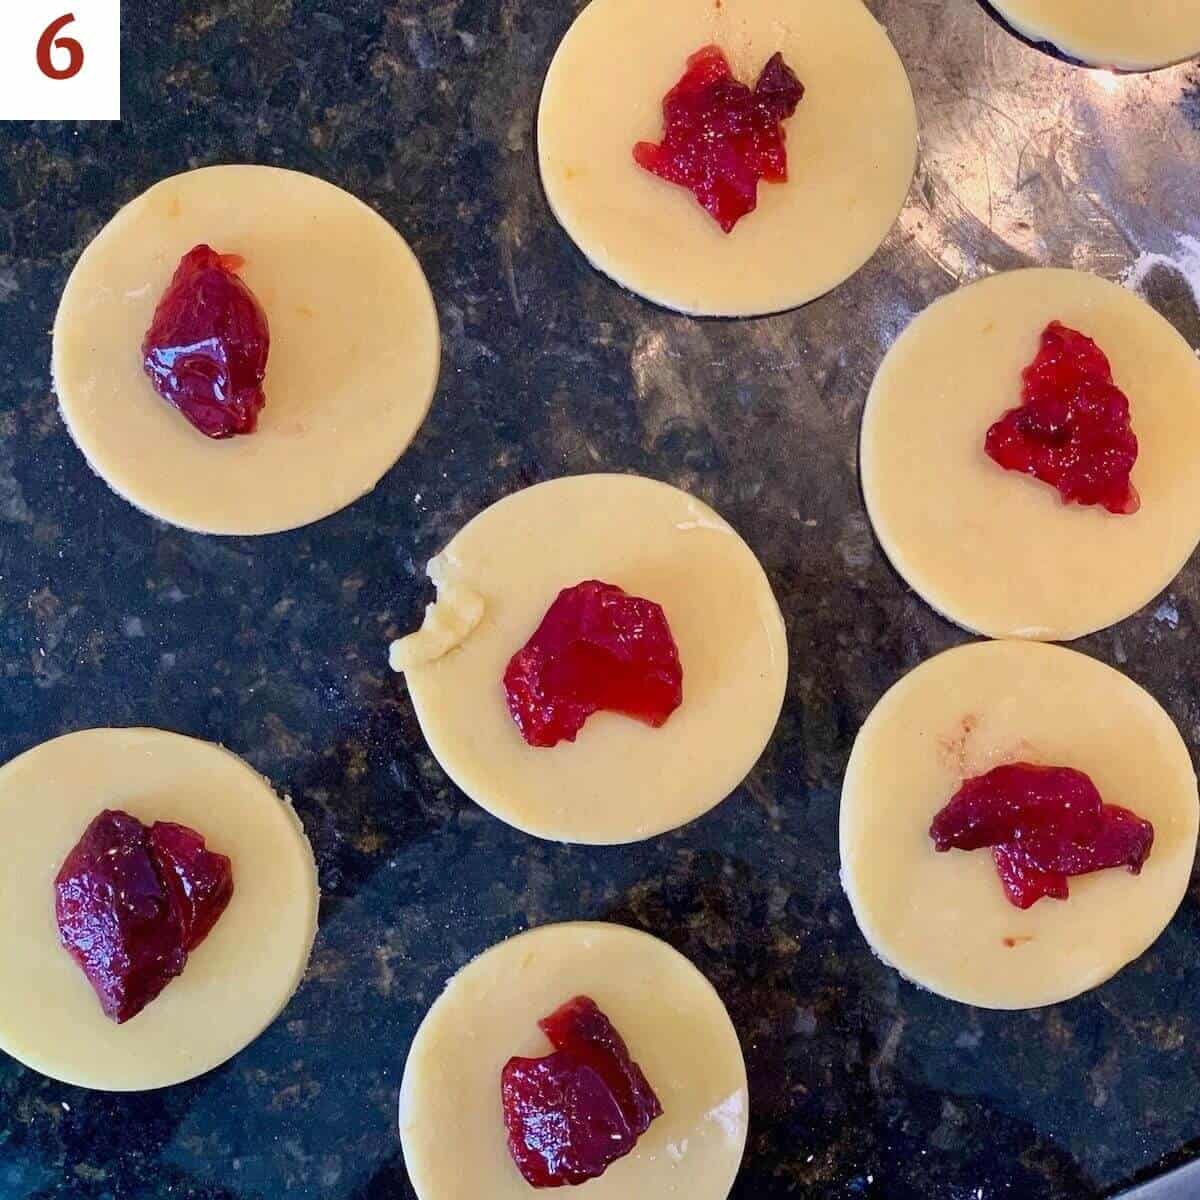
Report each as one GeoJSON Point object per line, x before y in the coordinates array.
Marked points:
{"type": "Point", "coordinates": [862, 1086]}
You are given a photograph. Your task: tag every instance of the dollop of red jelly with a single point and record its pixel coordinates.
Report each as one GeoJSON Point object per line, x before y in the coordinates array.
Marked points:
{"type": "Point", "coordinates": [206, 348]}
{"type": "Point", "coordinates": [132, 902]}
{"type": "Point", "coordinates": [596, 649]}
{"type": "Point", "coordinates": [198, 882]}
{"type": "Point", "coordinates": [1072, 429]}
{"type": "Point", "coordinates": [1043, 824]}
{"type": "Point", "coordinates": [720, 137]}
{"type": "Point", "coordinates": [571, 1115]}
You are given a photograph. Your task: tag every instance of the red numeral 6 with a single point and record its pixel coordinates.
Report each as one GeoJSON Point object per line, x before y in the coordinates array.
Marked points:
{"type": "Point", "coordinates": [49, 40]}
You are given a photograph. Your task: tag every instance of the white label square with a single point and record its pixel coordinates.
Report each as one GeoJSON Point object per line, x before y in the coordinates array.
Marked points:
{"type": "Point", "coordinates": [60, 60]}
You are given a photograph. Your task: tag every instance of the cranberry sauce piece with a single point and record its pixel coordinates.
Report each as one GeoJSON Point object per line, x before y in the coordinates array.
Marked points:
{"type": "Point", "coordinates": [1023, 883]}
{"type": "Point", "coordinates": [206, 348]}
{"type": "Point", "coordinates": [597, 648]}
{"type": "Point", "coordinates": [199, 882]}
{"type": "Point", "coordinates": [132, 901]}
{"type": "Point", "coordinates": [1072, 429]}
{"type": "Point", "coordinates": [571, 1115]}
{"type": "Point", "coordinates": [720, 138]}
{"type": "Point", "coordinates": [1044, 824]}
{"type": "Point", "coordinates": [115, 918]}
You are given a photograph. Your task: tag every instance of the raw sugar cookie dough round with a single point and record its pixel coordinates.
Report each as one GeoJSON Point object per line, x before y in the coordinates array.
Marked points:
{"type": "Point", "coordinates": [621, 781]}
{"type": "Point", "coordinates": [851, 150]}
{"type": "Point", "coordinates": [943, 920]}
{"type": "Point", "coordinates": [353, 363]}
{"type": "Point", "coordinates": [672, 1020]}
{"type": "Point", "coordinates": [235, 982]}
{"type": "Point", "coordinates": [1110, 33]}
{"type": "Point", "coordinates": [996, 551]}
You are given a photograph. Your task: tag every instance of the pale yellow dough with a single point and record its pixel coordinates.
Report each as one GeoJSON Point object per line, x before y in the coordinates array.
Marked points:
{"type": "Point", "coordinates": [997, 551]}
{"type": "Point", "coordinates": [676, 1028]}
{"type": "Point", "coordinates": [1131, 35]}
{"type": "Point", "coordinates": [621, 781]}
{"type": "Point", "coordinates": [353, 365]}
{"type": "Point", "coordinates": [942, 919]}
{"type": "Point", "coordinates": [851, 147]}
{"type": "Point", "coordinates": [235, 983]}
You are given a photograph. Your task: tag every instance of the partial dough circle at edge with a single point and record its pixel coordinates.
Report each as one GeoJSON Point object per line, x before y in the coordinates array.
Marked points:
{"type": "Point", "coordinates": [997, 552]}
{"type": "Point", "coordinates": [1104, 33]}
{"type": "Point", "coordinates": [942, 920]}
{"type": "Point", "coordinates": [675, 1025]}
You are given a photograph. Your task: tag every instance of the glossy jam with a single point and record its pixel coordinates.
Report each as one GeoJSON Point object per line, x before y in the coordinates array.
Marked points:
{"type": "Point", "coordinates": [1072, 429]}
{"type": "Point", "coordinates": [720, 137]}
{"type": "Point", "coordinates": [596, 649]}
{"type": "Point", "coordinates": [132, 901]}
{"type": "Point", "coordinates": [1043, 824]}
{"type": "Point", "coordinates": [206, 349]}
{"type": "Point", "coordinates": [572, 1114]}
{"type": "Point", "coordinates": [198, 882]}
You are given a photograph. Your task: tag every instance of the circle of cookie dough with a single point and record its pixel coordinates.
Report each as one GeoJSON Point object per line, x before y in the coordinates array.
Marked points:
{"type": "Point", "coordinates": [672, 1020]}
{"type": "Point", "coordinates": [235, 982]}
{"type": "Point", "coordinates": [851, 147]}
{"type": "Point", "coordinates": [621, 781]}
{"type": "Point", "coordinates": [1110, 33]}
{"type": "Point", "coordinates": [354, 358]}
{"type": "Point", "coordinates": [995, 551]}
{"type": "Point", "coordinates": [943, 920]}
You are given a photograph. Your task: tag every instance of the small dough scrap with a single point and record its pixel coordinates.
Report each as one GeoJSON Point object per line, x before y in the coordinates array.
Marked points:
{"type": "Point", "coordinates": [235, 983]}
{"type": "Point", "coordinates": [621, 780]}
{"type": "Point", "coordinates": [852, 149]}
{"type": "Point", "coordinates": [1137, 36]}
{"type": "Point", "coordinates": [448, 621]}
{"type": "Point", "coordinates": [995, 551]}
{"type": "Point", "coordinates": [943, 920]}
{"type": "Point", "coordinates": [677, 1030]}
{"type": "Point", "coordinates": [354, 360]}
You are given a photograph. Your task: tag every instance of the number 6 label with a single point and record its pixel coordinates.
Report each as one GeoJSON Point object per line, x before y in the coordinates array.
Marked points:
{"type": "Point", "coordinates": [60, 60]}
{"type": "Point", "coordinates": [50, 40]}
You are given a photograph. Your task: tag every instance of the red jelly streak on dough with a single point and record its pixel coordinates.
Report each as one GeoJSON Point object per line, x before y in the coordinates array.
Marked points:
{"type": "Point", "coordinates": [596, 649]}
{"type": "Point", "coordinates": [132, 901]}
{"type": "Point", "coordinates": [206, 349]}
{"type": "Point", "coordinates": [1044, 824]}
{"type": "Point", "coordinates": [720, 138]}
{"type": "Point", "coordinates": [1072, 429]}
{"type": "Point", "coordinates": [572, 1114]}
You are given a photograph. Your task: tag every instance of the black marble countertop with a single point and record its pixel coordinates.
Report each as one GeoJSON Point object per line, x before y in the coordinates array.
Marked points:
{"type": "Point", "coordinates": [862, 1085]}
